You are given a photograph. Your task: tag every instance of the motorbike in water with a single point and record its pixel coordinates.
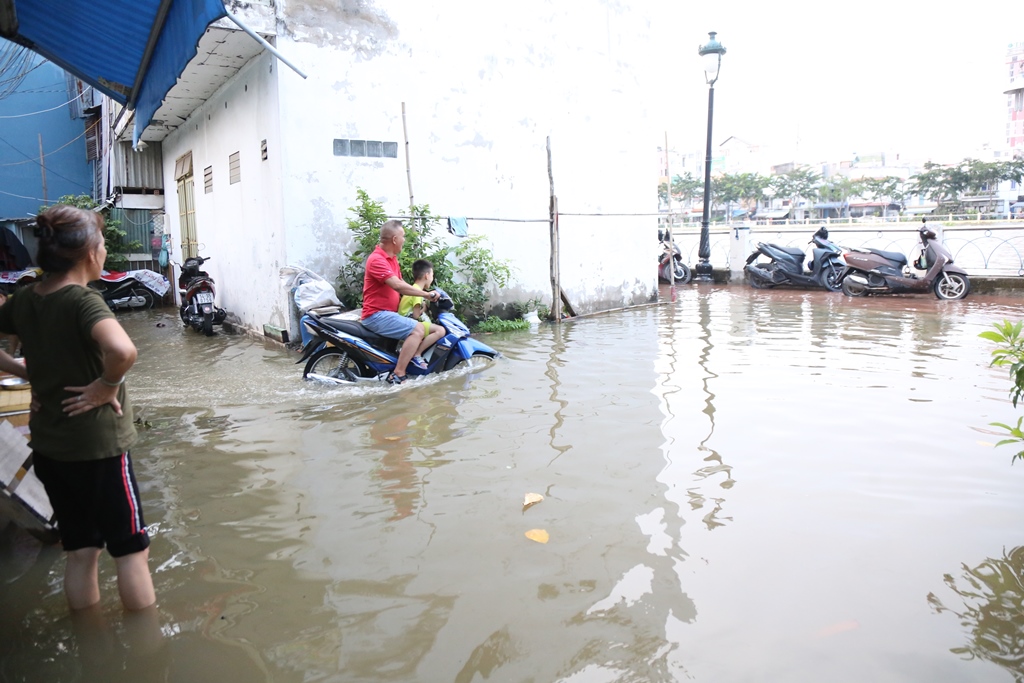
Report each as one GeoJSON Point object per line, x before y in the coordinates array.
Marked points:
{"type": "Point", "coordinates": [339, 349]}
{"type": "Point", "coordinates": [874, 271]}
{"type": "Point", "coordinates": [135, 289]}
{"type": "Point", "coordinates": [786, 265]}
{"type": "Point", "coordinates": [197, 297]}
{"type": "Point", "coordinates": [678, 271]}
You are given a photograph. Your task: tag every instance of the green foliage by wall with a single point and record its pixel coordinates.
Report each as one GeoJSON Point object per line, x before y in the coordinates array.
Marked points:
{"type": "Point", "coordinates": [464, 272]}
{"type": "Point", "coordinates": [113, 235]}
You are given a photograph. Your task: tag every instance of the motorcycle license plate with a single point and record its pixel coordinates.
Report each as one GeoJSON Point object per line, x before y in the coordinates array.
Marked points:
{"type": "Point", "coordinates": [204, 298]}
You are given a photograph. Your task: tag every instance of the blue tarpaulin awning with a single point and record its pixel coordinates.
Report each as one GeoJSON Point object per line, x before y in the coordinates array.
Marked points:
{"type": "Point", "coordinates": [132, 50]}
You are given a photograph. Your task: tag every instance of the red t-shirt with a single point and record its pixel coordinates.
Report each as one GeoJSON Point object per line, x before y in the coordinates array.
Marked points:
{"type": "Point", "coordinates": [378, 296]}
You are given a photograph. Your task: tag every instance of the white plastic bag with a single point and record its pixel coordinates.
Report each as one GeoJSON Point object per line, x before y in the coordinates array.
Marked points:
{"type": "Point", "coordinates": [315, 293]}
{"type": "Point", "coordinates": [311, 290]}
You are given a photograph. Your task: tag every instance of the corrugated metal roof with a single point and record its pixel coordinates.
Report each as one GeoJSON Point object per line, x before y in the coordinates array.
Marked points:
{"type": "Point", "coordinates": [141, 169]}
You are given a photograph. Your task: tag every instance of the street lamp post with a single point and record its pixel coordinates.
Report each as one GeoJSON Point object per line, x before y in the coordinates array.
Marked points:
{"type": "Point", "coordinates": [712, 55]}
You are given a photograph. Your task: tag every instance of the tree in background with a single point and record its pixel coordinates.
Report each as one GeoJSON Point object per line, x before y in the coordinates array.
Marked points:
{"type": "Point", "coordinates": [800, 183]}
{"type": "Point", "coordinates": [685, 188]}
{"type": "Point", "coordinates": [890, 189]}
{"type": "Point", "coordinates": [117, 246]}
{"type": "Point", "coordinates": [946, 184]}
{"type": "Point", "coordinates": [839, 189]}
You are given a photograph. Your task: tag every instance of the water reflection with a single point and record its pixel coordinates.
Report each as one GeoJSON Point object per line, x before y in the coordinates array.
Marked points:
{"type": "Point", "coordinates": [561, 335]}
{"type": "Point", "coordinates": [310, 533]}
{"type": "Point", "coordinates": [409, 444]}
{"type": "Point", "coordinates": [992, 610]}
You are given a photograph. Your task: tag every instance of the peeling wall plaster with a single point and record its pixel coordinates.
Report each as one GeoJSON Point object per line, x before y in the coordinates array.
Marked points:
{"type": "Point", "coordinates": [356, 26]}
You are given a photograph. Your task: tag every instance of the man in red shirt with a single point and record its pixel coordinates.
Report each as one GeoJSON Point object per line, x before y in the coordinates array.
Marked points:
{"type": "Point", "coordinates": [383, 288]}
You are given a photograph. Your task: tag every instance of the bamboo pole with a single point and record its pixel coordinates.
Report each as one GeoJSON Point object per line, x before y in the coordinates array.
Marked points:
{"type": "Point", "coordinates": [671, 232]}
{"type": "Point", "coordinates": [556, 283]}
{"type": "Point", "coordinates": [408, 170]}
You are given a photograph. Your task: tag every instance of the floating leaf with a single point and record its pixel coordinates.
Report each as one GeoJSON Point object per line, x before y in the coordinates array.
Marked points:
{"type": "Point", "coordinates": [392, 438]}
{"type": "Point", "coordinates": [531, 499]}
{"type": "Point", "coordinates": [538, 535]}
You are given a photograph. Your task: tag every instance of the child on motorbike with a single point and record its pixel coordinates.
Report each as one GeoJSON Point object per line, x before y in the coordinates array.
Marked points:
{"type": "Point", "coordinates": [413, 307]}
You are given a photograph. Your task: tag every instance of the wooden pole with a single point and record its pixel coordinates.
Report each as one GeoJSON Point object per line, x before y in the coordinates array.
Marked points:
{"type": "Point", "coordinates": [42, 165]}
{"type": "Point", "coordinates": [408, 170]}
{"type": "Point", "coordinates": [556, 282]}
{"type": "Point", "coordinates": [672, 237]}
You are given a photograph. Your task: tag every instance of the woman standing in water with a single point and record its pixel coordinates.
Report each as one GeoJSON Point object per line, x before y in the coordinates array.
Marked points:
{"type": "Point", "coordinates": [76, 356]}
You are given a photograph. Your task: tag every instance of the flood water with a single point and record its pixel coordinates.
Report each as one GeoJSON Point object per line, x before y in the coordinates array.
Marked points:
{"type": "Point", "coordinates": [738, 486]}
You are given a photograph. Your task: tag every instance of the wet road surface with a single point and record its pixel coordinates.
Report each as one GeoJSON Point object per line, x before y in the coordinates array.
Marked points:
{"type": "Point", "coordinates": [743, 485]}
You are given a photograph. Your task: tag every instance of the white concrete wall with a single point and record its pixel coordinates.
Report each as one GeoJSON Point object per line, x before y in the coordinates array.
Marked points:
{"type": "Point", "coordinates": [240, 226]}
{"type": "Point", "coordinates": [481, 95]}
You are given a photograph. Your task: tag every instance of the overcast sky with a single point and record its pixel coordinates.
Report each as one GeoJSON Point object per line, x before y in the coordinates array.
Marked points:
{"type": "Point", "coordinates": [925, 80]}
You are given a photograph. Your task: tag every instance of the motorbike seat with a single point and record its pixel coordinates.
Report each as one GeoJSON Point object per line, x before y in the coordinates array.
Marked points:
{"type": "Point", "coordinates": [356, 329]}
{"type": "Point", "coordinates": [896, 256]}
{"type": "Point", "coordinates": [792, 251]}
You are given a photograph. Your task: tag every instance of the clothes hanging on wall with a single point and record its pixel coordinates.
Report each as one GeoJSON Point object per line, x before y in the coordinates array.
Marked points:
{"type": "Point", "coordinates": [458, 226]}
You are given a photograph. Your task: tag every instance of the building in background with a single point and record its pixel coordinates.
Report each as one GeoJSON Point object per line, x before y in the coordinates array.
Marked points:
{"type": "Point", "coordinates": [260, 167]}
{"type": "Point", "coordinates": [48, 125]}
{"type": "Point", "coordinates": [1015, 97]}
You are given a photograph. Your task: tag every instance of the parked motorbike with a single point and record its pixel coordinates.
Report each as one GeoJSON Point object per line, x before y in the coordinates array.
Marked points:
{"type": "Point", "coordinates": [11, 280]}
{"type": "Point", "coordinates": [197, 297]}
{"type": "Point", "coordinates": [132, 290]}
{"type": "Point", "coordinates": [677, 270]}
{"type": "Point", "coordinates": [873, 271]}
{"type": "Point", "coordinates": [786, 265]}
{"type": "Point", "coordinates": [339, 349]}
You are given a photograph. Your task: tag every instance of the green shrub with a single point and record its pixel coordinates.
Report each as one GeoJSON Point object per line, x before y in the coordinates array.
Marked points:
{"type": "Point", "coordinates": [365, 227]}
{"type": "Point", "coordinates": [521, 308]}
{"type": "Point", "coordinates": [495, 324]}
{"type": "Point", "coordinates": [463, 272]}
{"type": "Point", "coordinates": [113, 235]}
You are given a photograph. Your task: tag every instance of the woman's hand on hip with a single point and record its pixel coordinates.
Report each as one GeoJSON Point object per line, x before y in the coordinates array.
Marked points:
{"type": "Point", "coordinates": [92, 395]}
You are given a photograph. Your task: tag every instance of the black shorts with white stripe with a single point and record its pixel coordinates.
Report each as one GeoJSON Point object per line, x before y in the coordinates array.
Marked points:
{"type": "Point", "coordinates": [96, 503]}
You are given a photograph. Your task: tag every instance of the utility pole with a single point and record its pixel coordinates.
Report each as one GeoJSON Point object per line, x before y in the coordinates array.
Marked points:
{"type": "Point", "coordinates": [42, 165]}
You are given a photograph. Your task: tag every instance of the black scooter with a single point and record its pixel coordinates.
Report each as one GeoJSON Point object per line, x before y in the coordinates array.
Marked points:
{"type": "Point", "coordinates": [786, 265]}
{"type": "Point", "coordinates": [195, 286]}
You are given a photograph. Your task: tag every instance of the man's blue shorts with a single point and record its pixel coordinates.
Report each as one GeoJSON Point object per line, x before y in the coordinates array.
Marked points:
{"type": "Point", "coordinates": [391, 325]}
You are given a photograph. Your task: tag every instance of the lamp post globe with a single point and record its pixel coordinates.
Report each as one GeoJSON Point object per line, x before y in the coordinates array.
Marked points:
{"type": "Point", "coordinates": [711, 54]}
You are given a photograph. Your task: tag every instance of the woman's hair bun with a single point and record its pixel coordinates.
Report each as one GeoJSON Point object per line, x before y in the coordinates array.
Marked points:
{"type": "Point", "coordinates": [43, 229]}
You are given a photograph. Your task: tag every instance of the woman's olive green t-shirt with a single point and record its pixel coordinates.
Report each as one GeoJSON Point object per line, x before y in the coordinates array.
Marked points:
{"type": "Point", "coordinates": [56, 336]}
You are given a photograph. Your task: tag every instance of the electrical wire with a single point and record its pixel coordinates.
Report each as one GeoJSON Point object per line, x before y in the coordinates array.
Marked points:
{"type": "Point", "coordinates": [15, 59]}
{"type": "Point", "coordinates": [50, 171]}
{"type": "Point", "coordinates": [52, 151]}
{"type": "Point", "coordinates": [540, 220]}
{"type": "Point", "coordinates": [43, 111]}
{"type": "Point", "coordinates": [21, 196]}
{"type": "Point", "coordinates": [493, 220]}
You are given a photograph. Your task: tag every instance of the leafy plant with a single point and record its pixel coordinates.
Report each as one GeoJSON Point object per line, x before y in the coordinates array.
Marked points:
{"type": "Point", "coordinates": [477, 268]}
{"type": "Point", "coordinates": [496, 324]}
{"type": "Point", "coordinates": [1009, 354]}
{"type": "Point", "coordinates": [113, 235]}
{"type": "Point", "coordinates": [519, 309]}
{"type": "Point", "coordinates": [365, 228]}
{"type": "Point", "coordinates": [463, 272]}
